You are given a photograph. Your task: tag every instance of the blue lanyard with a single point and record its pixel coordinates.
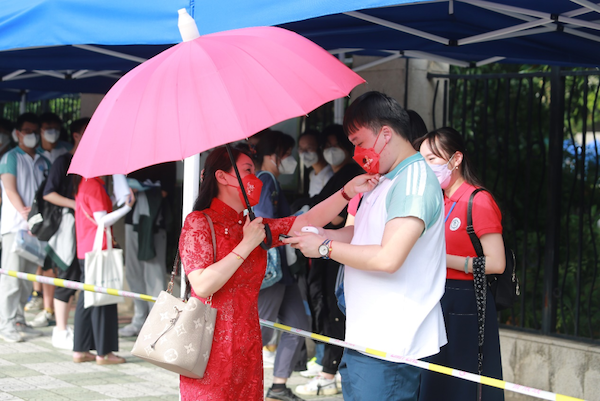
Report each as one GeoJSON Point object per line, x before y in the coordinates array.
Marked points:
{"type": "Point", "coordinates": [450, 211]}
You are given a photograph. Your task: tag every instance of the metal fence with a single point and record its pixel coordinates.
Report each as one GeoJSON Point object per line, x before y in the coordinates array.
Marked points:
{"type": "Point", "coordinates": [534, 142]}
{"type": "Point", "coordinates": [67, 107]}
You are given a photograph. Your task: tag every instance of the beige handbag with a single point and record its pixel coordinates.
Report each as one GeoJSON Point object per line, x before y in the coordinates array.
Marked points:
{"type": "Point", "coordinates": [178, 335]}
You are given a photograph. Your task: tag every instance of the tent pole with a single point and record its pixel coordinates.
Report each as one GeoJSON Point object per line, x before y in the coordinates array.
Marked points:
{"type": "Point", "coordinates": [338, 104]}
{"type": "Point", "coordinates": [23, 103]}
{"type": "Point", "coordinates": [191, 184]}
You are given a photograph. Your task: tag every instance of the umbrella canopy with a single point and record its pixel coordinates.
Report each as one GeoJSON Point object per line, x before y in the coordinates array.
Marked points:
{"type": "Point", "coordinates": [203, 93]}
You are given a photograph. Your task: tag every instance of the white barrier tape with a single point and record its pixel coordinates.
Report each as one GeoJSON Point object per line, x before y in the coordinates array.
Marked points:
{"type": "Point", "coordinates": [541, 394]}
{"type": "Point", "coordinates": [75, 285]}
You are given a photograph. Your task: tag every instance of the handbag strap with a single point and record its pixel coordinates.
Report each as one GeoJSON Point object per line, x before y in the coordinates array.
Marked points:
{"type": "Point", "coordinates": [175, 269]}
{"type": "Point", "coordinates": [479, 283]}
{"type": "Point", "coordinates": [99, 234]}
{"type": "Point", "coordinates": [470, 230]}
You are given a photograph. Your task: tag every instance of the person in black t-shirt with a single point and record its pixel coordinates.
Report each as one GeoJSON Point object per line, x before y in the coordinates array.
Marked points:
{"type": "Point", "coordinates": [59, 191]}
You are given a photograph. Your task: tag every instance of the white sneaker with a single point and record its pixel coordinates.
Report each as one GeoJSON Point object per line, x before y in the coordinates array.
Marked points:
{"type": "Point", "coordinates": [319, 385]}
{"type": "Point", "coordinates": [338, 380]}
{"type": "Point", "coordinates": [62, 339]}
{"type": "Point", "coordinates": [11, 336]}
{"type": "Point", "coordinates": [35, 303]}
{"type": "Point", "coordinates": [43, 319]}
{"type": "Point", "coordinates": [268, 358]}
{"type": "Point", "coordinates": [312, 369]}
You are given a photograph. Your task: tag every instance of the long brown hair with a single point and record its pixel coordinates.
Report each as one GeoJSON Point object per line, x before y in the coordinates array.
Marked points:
{"type": "Point", "coordinates": [447, 141]}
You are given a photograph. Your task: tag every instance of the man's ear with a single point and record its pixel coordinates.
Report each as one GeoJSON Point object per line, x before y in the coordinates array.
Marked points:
{"type": "Point", "coordinates": [387, 133]}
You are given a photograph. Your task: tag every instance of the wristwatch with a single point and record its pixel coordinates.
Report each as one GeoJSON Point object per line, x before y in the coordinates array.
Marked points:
{"type": "Point", "coordinates": [324, 249]}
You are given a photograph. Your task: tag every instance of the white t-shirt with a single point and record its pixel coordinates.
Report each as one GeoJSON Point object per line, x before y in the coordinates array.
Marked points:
{"type": "Point", "coordinates": [318, 181]}
{"type": "Point", "coordinates": [30, 172]}
{"type": "Point", "coordinates": [400, 313]}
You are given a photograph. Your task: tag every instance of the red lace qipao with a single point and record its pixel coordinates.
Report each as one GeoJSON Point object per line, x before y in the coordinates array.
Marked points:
{"type": "Point", "coordinates": [234, 370]}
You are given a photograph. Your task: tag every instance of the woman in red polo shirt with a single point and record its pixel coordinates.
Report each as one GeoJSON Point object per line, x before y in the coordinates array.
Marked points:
{"type": "Point", "coordinates": [96, 328]}
{"type": "Point", "coordinates": [444, 151]}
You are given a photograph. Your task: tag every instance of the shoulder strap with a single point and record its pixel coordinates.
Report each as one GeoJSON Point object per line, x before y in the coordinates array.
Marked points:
{"type": "Point", "coordinates": [177, 262]}
{"type": "Point", "coordinates": [470, 230]}
{"type": "Point", "coordinates": [263, 172]}
{"type": "Point", "coordinates": [212, 234]}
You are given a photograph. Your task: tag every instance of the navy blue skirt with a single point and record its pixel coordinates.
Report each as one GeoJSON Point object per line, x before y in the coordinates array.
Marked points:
{"type": "Point", "coordinates": [460, 317]}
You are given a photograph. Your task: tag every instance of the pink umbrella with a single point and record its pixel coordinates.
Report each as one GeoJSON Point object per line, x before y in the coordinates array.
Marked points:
{"type": "Point", "coordinates": [206, 92]}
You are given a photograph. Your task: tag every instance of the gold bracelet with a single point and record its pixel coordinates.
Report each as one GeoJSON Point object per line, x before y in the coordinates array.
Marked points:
{"type": "Point", "coordinates": [239, 256]}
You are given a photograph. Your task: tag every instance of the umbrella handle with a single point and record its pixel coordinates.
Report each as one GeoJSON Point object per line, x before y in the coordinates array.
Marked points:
{"type": "Point", "coordinates": [269, 240]}
{"type": "Point", "coordinates": [266, 244]}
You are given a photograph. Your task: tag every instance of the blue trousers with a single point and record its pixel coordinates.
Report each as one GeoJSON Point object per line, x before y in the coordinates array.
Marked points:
{"type": "Point", "coordinates": [365, 378]}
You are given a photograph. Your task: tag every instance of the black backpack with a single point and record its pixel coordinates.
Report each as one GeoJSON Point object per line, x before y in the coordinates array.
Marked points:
{"type": "Point", "coordinates": [44, 217]}
{"type": "Point", "coordinates": [505, 286]}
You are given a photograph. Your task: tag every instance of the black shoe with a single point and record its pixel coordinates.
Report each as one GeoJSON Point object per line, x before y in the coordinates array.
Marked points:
{"type": "Point", "coordinates": [283, 395]}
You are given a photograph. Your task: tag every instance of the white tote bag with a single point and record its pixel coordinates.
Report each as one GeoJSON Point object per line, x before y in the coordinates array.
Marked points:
{"type": "Point", "coordinates": [103, 269]}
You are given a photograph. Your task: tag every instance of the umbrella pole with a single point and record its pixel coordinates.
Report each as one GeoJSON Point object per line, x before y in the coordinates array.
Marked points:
{"type": "Point", "coordinates": [191, 180]}
{"type": "Point", "coordinates": [269, 239]}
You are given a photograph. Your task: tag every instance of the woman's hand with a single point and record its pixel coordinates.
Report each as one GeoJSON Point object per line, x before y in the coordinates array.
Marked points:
{"type": "Point", "coordinates": [254, 232]}
{"type": "Point", "coordinates": [130, 199]}
{"type": "Point", "coordinates": [361, 184]}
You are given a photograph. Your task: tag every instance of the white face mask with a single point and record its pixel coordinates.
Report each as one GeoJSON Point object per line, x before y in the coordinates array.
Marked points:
{"type": "Point", "coordinates": [288, 165]}
{"type": "Point", "coordinates": [309, 158]}
{"type": "Point", "coordinates": [334, 156]}
{"type": "Point", "coordinates": [443, 172]}
{"type": "Point", "coordinates": [30, 140]}
{"type": "Point", "coordinates": [15, 137]}
{"type": "Point", "coordinates": [51, 135]}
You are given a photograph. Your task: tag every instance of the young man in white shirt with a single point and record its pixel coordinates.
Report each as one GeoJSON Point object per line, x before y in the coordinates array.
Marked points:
{"type": "Point", "coordinates": [21, 170]}
{"type": "Point", "coordinates": [394, 256]}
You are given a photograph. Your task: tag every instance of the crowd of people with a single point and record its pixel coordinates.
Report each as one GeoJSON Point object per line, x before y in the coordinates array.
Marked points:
{"type": "Point", "coordinates": [387, 262]}
{"type": "Point", "coordinates": [36, 154]}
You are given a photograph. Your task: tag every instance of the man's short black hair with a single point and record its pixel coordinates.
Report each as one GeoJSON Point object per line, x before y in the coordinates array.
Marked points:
{"type": "Point", "coordinates": [49, 118]}
{"type": "Point", "coordinates": [6, 125]}
{"type": "Point", "coordinates": [373, 110]}
{"type": "Point", "coordinates": [79, 125]}
{"type": "Point", "coordinates": [26, 118]}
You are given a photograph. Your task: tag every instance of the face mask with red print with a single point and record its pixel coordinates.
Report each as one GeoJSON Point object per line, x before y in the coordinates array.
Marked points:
{"type": "Point", "coordinates": [252, 185]}
{"type": "Point", "coordinates": [368, 159]}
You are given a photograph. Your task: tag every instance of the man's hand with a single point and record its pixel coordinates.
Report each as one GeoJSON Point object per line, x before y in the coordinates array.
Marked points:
{"type": "Point", "coordinates": [307, 243]}
{"type": "Point", "coordinates": [25, 213]}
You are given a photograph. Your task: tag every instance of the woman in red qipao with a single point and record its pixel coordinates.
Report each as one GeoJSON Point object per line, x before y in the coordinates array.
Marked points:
{"type": "Point", "coordinates": [234, 370]}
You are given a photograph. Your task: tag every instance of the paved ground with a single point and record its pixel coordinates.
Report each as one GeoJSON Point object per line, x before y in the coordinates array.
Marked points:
{"type": "Point", "coordinates": [34, 370]}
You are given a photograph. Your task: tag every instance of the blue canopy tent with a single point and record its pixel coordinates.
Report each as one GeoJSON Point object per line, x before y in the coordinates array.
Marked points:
{"type": "Point", "coordinates": [77, 40]}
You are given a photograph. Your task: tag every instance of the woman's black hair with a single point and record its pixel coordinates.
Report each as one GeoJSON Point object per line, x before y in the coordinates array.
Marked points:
{"type": "Point", "coordinates": [446, 141]}
{"type": "Point", "coordinates": [218, 159]}
{"type": "Point", "coordinates": [315, 134]}
{"type": "Point", "coordinates": [76, 181]}
{"type": "Point", "coordinates": [342, 140]}
{"type": "Point", "coordinates": [272, 142]}
{"type": "Point", "coordinates": [417, 126]}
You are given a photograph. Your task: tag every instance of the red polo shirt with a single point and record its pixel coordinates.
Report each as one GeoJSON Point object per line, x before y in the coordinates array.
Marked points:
{"type": "Point", "coordinates": [91, 197]}
{"type": "Point", "coordinates": [487, 219]}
